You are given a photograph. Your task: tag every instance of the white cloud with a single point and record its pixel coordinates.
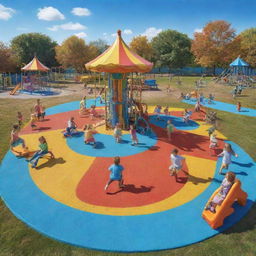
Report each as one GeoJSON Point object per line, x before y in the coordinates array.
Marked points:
{"type": "Point", "coordinates": [81, 34]}
{"type": "Point", "coordinates": [6, 12]}
{"type": "Point", "coordinates": [127, 32]}
{"type": "Point", "coordinates": [114, 34]}
{"type": "Point", "coordinates": [105, 34]}
{"type": "Point", "coordinates": [151, 32]}
{"type": "Point", "coordinates": [78, 11]}
{"type": "Point", "coordinates": [49, 14]}
{"type": "Point", "coordinates": [68, 26]}
{"type": "Point", "coordinates": [198, 30]}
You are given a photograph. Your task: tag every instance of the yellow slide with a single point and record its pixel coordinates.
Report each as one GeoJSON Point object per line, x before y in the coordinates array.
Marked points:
{"type": "Point", "coordinates": [17, 87]}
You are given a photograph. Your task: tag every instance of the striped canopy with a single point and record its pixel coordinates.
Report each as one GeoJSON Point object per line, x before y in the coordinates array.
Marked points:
{"type": "Point", "coordinates": [119, 58]}
{"type": "Point", "coordinates": [35, 65]}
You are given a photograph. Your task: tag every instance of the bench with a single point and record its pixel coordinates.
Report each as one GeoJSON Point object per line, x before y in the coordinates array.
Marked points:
{"type": "Point", "coordinates": [151, 83]}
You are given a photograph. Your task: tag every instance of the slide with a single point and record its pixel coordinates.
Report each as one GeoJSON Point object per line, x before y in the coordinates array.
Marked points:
{"type": "Point", "coordinates": [17, 87]}
{"type": "Point", "coordinates": [215, 220]}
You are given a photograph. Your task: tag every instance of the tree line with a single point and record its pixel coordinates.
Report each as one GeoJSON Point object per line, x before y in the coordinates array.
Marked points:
{"type": "Point", "coordinates": [215, 46]}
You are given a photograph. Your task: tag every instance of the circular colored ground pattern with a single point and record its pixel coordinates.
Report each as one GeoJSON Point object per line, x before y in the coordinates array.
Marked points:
{"type": "Point", "coordinates": [65, 198]}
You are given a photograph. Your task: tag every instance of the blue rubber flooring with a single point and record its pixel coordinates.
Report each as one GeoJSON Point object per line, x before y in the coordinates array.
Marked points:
{"type": "Point", "coordinates": [225, 107]}
{"type": "Point", "coordinates": [107, 147]}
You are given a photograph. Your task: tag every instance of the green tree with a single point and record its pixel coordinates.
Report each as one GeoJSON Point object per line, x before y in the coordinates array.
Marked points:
{"type": "Point", "coordinates": [172, 49]}
{"type": "Point", "coordinates": [74, 52]}
{"type": "Point", "coordinates": [100, 44]}
{"type": "Point", "coordinates": [216, 45]}
{"type": "Point", "coordinates": [26, 46]}
{"type": "Point", "coordinates": [8, 62]}
{"type": "Point", "coordinates": [142, 47]}
{"type": "Point", "coordinates": [248, 46]}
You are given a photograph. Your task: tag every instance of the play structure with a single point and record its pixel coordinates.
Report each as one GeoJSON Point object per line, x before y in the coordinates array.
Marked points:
{"type": "Point", "coordinates": [215, 220]}
{"type": "Point", "coordinates": [34, 80]}
{"type": "Point", "coordinates": [118, 60]}
{"type": "Point", "coordinates": [238, 73]}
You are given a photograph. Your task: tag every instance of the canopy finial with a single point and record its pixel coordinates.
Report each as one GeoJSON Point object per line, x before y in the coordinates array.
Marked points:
{"type": "Point", "coordinates": [119, 32]}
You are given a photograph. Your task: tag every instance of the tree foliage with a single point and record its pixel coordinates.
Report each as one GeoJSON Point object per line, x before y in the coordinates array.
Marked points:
{"type": "Point", "coordinates": [26, 46]}
{"type": "Point", "coordinates": [142, 47]}
{"type": "Point", "coordinates": [100, 44]}
{"type": "Point", "coordinates": [171, 48]}
{"type": "Point", "coordinates": [216, 45]}
{"type": "Point", "coordinates": [8, 62]}
{"type": "Point", "coordinates": [248, 46]}
{"type": "Point", "coordinates": [74, 52]}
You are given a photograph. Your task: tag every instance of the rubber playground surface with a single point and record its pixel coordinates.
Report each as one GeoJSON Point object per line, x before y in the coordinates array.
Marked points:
{"type": "Point", "coordinates": [65, 198]}
{"type": "Point", "coordinates": [224, 107]}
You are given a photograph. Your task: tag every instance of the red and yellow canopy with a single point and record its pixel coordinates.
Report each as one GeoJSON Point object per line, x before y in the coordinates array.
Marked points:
{"type": "Point", "coordinates": [119, 58]}
{"type": "Point", "coordinates": [35, 65]}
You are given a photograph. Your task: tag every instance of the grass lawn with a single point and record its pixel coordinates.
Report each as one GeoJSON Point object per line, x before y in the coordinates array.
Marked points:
{"type": "Point", "coordinates": [18, 239]}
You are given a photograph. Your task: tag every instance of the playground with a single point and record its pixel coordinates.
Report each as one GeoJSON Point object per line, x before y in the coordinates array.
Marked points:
{"type": "Point", "coordinates": [153, 210]}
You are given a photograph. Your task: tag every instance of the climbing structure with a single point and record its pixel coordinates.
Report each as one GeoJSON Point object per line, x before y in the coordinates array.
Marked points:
{"type": "Point", "coordinates": [118, 60]}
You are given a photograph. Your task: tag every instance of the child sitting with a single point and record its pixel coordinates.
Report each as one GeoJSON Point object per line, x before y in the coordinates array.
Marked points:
{"type": "Point", "coordinates": [88, 135]}
{"type": "Point", "coordinates": [198, 106]}
{"type": "Point", "coordinates": [221, 195]}
{"type": "Point", "coordinates": [118, 133]}
{"type": "Point", "coordinates": [176, 165]}
{"type": "Point", "coordinates": [43, 150]}
{"type": "Point", "coordinates": [116, 173]}
{"type": "Point", "coordinates": [71, 129]}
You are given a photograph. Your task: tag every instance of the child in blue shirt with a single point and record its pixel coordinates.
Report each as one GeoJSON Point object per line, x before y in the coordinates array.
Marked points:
{"type": "Point", "coordinates": [116, 173]}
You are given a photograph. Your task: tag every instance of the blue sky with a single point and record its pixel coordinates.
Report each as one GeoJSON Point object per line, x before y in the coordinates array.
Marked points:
{"type": "Point", "coordinates": [93, 19]}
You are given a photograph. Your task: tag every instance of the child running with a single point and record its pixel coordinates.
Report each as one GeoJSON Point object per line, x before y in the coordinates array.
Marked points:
{"type": "Point", "coordinates": [176, 165]}
{"type": "Point", "coordinates": [116, 173]}
{"type": "Point", "coordinates": [133, 135]}
{"type": "Point", "coordinates": [88, 135]}
{"type": "Point", "coordinates": [227, 154]}
{"type": "Point", "coordinates": [169, 129]}
{"type": "Point", "coordinates": [15, 139]}
{"type": "Point", "coordinates": [118, 133]}
{"type": "Point", "coordinates": [43, 149]}
{"type": "Point", "coordinates": [221, 195]}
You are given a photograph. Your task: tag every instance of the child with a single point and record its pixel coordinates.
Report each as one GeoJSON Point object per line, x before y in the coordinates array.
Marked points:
{"type": "Point", "coordinates": [20, 118]}
{"type": "Point", "coordinates": [157, 111]}
{"type": "Point", "coordinates": [238, 106]}
{"type": "Point", "coordinates": [213, 143]}
{"type": "Point", "coordinates": [133, 135]}
{"type": "Point", "coordinates": [43, 149]}
{"type": "Point", "coordinates": [118, 133]}
{"type": "Point", "coordinates": [227, 154]}
{"type": "Point", "coordinates": [93, 112]}
{"type": "Point", "coordinates": [166, 111]}
{"type": "Point", "coordinates": [89, 135]}
{"type": "Point", "coordinates": [42, 112]}
{"type": "Point", "coordinates": [169, 129]}
{"type": "Point", "coordinates": [37, 109]}
{"type": "Point", "coordinates": [221, 195]}
{"type": "Point", "coordinates": [116, 173]}
{"type": "Point", "coordinates": [176, 163]}
{"type": "Point", "coordinates": [186, 115]}
{"type": "Point", "coordinates": [15, 139]}
{"type": "Point", "coordinates": [197, 106]}
{"type": "Point", "coordinates": [33, 120]}
{"type": "Point", "coordinates": [211, 130]}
